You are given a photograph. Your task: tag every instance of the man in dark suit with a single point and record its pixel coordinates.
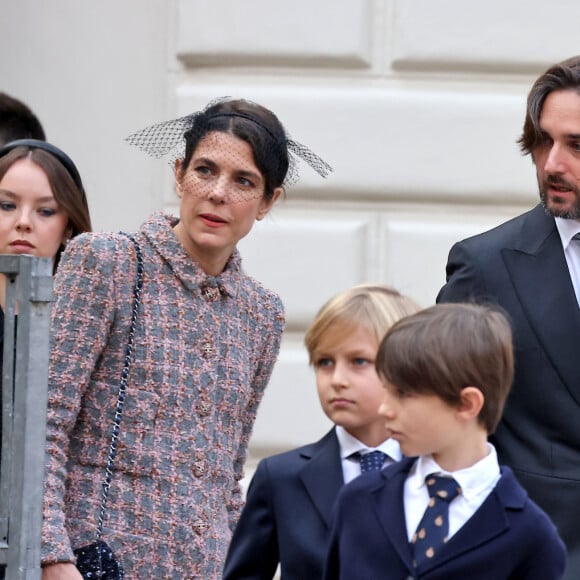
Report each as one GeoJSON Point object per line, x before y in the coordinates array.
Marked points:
{"type": "Point", "coordinates": [531, 267]}
{"type": "Point", "coordinates": [286, 519]}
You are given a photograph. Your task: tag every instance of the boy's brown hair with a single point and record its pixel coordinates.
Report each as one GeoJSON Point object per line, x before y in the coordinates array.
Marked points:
{"type": "Point", "coordinates": [374, 306]}
{"type": "Point", "coordinates": [447, 347]}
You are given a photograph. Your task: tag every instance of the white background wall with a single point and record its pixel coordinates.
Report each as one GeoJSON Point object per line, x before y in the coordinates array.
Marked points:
{"type": "Point", "coordinates": [416, 103]}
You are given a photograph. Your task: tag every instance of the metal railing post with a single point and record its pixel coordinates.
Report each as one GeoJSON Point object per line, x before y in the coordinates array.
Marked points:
{"type": "Point", "coordinates": [24, 389]}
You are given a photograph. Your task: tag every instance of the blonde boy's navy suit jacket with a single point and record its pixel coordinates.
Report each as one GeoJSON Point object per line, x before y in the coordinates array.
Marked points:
{"type": "Point", "coordinates": [509, 537]}
{"type": "Point", "coordinates": [287, 514]}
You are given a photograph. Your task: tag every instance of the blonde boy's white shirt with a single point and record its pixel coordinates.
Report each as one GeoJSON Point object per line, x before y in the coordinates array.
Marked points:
{"type": "Point", "coordinates": [476, 483]}
{"type": "Point", "coordinates": [568, 229]}
{"type": "Point", "coordinates": [349, 445]}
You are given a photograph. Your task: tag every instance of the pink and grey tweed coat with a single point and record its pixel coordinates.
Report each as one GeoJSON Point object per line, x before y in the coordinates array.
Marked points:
{"type": "Point", "coordinates": [205, 350]}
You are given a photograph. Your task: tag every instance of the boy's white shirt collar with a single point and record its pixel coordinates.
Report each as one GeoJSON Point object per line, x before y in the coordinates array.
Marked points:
{"type": "Point", "coordinates": [472, 480]}
{"type": "Point", "coordinates": [349, 445]}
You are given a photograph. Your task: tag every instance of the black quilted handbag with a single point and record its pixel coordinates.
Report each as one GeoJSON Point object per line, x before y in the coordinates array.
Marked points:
{"type": "Point", "coordinates": [97, 561]}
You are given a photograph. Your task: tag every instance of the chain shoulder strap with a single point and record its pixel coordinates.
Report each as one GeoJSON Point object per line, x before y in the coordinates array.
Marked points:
{"type": "Point", "coordinates": [137, 287]}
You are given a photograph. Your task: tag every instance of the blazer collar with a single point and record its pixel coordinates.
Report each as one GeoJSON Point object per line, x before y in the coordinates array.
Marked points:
{"type": "Point", "coordinates": [158, 229]}
{"type": "Point", "coordinates": [536, 228]}
{"type": "Point", "coordinates": [322, 474]}
{"type": "Point", "coordinates": [488, 522]}
{"type": "Point", "coordinates": [390, 513]}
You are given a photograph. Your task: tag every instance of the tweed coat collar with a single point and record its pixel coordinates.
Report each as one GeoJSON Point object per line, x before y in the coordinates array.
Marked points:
{"type": "Point", "coordinates": [158, 229]}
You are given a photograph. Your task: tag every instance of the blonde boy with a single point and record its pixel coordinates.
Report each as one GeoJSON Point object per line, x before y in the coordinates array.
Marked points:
{"type": "Point", "coordinates": [287, 514]}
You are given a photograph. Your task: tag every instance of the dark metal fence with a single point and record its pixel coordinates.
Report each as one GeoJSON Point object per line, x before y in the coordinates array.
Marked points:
{"type": "Point", "coordinates": [24, 396]}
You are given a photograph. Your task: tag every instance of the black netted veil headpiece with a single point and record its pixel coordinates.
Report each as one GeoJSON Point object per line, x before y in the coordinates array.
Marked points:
{"type": "Point", "coordinates": [168, 139]}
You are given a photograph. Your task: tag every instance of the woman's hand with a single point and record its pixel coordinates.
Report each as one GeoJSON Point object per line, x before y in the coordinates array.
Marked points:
{"type": "Point", "coordinates": [61, 571]}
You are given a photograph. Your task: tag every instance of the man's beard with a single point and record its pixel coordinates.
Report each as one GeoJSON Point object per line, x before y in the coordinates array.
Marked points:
{"type": "Point", "coordinates": [571, 213]}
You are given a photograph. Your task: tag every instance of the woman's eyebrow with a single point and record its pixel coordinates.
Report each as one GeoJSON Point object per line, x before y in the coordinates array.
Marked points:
{"type": "Point", "coordinates": [242, 172]}
{"type": "Point", "coordinates": [205, 161]}
{"type": "Point", "coordinates": [248, 173]}
{"type": "Point", "coordinates": [12, 195]}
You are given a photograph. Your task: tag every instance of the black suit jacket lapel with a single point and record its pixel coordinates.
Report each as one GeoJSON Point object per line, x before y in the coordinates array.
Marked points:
{"type": "Point", "coordinates": [322, 475]}
{"type": "Point", "coordinates": [540, 276]}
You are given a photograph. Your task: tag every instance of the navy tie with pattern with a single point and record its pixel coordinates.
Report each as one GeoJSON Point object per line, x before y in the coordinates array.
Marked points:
{"type": "Point", "coordinates": [433, 528]}
{"type": "Point", "coordinates": [372, 461]}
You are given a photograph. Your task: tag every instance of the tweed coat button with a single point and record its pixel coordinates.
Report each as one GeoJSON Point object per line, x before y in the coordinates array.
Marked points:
{"type": "Point", "coordinates": [210, 293]}
{"type": "Point", "coordinates": [199, 468]}
{"type": "Point", "coordinates": [199, 527]}
{"type": "Point", "coordinates": [207, 349]}
{"type": "Point", "coordinates": [203, 408]}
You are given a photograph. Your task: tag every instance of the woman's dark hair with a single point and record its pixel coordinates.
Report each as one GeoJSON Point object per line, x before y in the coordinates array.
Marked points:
{"type": "Point", "coordinates": [252, 123]}
{"type": "Point", "coordinates": [70, 197]}
{"type": "Point", "coordinates": [559, 77]}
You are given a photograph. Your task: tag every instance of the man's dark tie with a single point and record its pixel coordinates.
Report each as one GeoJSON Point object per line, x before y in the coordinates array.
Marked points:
{"type": "Point", "coordinates": [433, 528]}
{"type": "Point", "coordinates": [372, 461]}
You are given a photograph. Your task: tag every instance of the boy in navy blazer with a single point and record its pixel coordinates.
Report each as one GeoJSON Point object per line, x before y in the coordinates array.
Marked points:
{"type": "Point", "coordinates": [448, 511]}
{"type": "Point", "coordinates": [286, 519]}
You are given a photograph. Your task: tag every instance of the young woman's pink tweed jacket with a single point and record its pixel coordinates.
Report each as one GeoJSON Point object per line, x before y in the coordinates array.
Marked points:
{"type": "Point", "coordinates": [205, 349]}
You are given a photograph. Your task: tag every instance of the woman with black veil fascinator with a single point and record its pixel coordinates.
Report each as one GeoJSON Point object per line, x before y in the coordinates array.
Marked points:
{"type": "Point", "coordinates": [204, 340]}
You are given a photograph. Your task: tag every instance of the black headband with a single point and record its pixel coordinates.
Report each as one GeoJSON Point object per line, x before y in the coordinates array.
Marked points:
{"type": "Point", "coordinates": [249, 118]}
{"type": "Point", "coordinates": [65, 160]}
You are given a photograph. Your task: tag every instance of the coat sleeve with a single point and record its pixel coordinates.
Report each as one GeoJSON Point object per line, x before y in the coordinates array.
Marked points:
{"type": "Point", "coordinates": [82, 315]}
{"type": "Point", "coordinates": [272, 332]}
{"type": "Point", "coordinates": [253, 552]}
{"type": "Point", "coordinates": [465, 282]}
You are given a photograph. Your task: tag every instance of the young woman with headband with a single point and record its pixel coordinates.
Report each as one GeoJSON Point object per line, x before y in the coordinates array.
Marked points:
{"type": "Point", "coordinates": [42, 206]}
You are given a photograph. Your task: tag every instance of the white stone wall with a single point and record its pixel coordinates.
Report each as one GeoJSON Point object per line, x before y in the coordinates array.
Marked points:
{"type": "Point", "coordinates": [416, 103]}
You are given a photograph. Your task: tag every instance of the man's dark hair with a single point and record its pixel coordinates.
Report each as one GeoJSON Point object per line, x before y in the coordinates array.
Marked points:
{"type": "Point", "coordinates": [562, 76]}
{"type": "Point", "coordinates": [17, 121]}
